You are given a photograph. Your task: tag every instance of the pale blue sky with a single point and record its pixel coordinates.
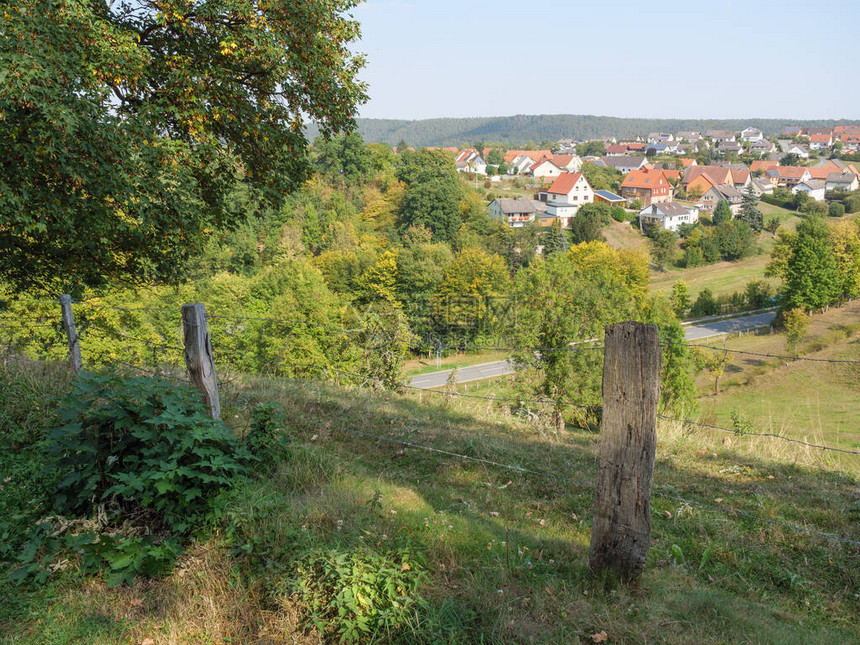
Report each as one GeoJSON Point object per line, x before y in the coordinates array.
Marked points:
{"type": "Point", "coordinates": [669, 59]}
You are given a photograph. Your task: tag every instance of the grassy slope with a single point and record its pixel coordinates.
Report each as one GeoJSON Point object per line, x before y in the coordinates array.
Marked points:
{"type": "Point", "coordinates": [506, 551]}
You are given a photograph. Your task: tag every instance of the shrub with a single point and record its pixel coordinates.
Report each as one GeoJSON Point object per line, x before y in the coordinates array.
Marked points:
{"type": "Point", "coordinates": [619, 214]}
{"type": "Point", "coordinates": [836, 210]}
{"type": "Point", "coordinates": [142, 445]}
{"type": "Point", "coordinates": [358, 594]}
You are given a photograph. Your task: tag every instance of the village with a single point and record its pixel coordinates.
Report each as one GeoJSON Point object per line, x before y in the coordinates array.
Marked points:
{"type": "Point", "coordinates": [659, 179]}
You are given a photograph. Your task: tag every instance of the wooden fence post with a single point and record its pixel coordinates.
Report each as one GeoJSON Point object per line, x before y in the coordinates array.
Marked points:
{"type": "Point", "coordinates": [71, 332]}
{"type": "Point", "coordinates": [198, 355]}
{"type": "Point", "coordinates": [621, 532]}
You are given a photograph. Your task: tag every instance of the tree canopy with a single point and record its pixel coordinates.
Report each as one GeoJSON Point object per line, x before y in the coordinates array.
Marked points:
{"type": "Point", "coordinates": [124, 126]}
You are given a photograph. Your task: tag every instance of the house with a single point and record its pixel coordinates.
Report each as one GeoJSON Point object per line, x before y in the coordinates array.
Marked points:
{"type": "Point", "coordinates": [520, 165]}
{"type": "Point", "coordinates": [723, 192]}
{"type": "Point", "coordinates": [569, 163]}
{"type": "Point", "coordinates": [844, 180]}
{"type": "Point", "coordinates": [850, 142]}
{"type": "Point", "coordinates": [699, 179]}
{"type": "Point", "coordinates": [763, 166]}
{"type": "Point", "coordinates": [813, 131]}
{"type": "Point", "coordinates": [813, 187]}
{"type": "Point", "coordinates": [648, 186]}
{"type": "Point", "coordinates": [761, 186]}
{"type": "Point", "coordinates": [718, 136]}
{"type": "Point", "coordinates": [729, 147]}
{"type": "Point", "coordinates": [792, 131]}
{"type": "Point", "coordinates": [616, 150]}
{"type": "Point", "coordinates": [470, 161]}
{"type": "Point", "coordinates": [763, 147]}
{"type": "Point", "coordinates": [625, 164]}
{"type": "Point", "coordinates": [669, 215]}
{"type": "Point", "coordinates": [568, 192]}
{"type": "Point", "coordinates": [674, 176]}
{"type": "Point", "coordinates": [534, 155]}
{"type": "Point", "coordinates": [687, 162]}
{"type": "Point", "coordinates": [741, 178]}
{"type": "Point", "coordinates": [608, 197]}
{"type": "Point", "coordinates": [820, 141]}
{"type": "Point", "coordinates": [846, 129]}
{"type": "Point", "coordinates": [516, 212]}
{"type": "Point", "coordinates": [544, 169]}
{"type": "Point", "coordinates": [751, 135]}
{"type": "Point", "coordinates": [660, 137]}
{"type": "Point", "coordinates": [689, 136]}
{"type": "Point", "coordinates": [788, 176]}
{"type": "Point", "coordinates": [791, 148]}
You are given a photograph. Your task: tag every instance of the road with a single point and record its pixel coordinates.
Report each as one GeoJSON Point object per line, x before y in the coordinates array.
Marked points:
{"type": "Point", "coordinates": [501, 368]}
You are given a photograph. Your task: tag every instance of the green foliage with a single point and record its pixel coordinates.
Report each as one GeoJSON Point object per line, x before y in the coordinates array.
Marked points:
{"type": "Point", "coordinates": [705, 305]}
{"type": "Point", "coordinates": [693, 257]}
{"type": "Point", "coordinates": [124, 131]}
{"type": "Point", "coordinates": [358, 595]}
{"type": "Point", "coordinates": [601, 177]}
{"type": "Point", "coordinates": [750, 212]}
{"type": "Point", "coordinates": [141, 444]}
{"type": "Point", "coordinates": [619, 214]}
{"type": "Point", "coordinates": [266, 438]}
{"type": "Point", "coordinates": [591, 149]}
{"type": "Point", "coordinates": [555, 239]}
{"type": "Point", "coordinates": [795, 324]}
{"type": "Point", "coordinates": [736, 239]}
{"type": "Point", "coordinates": [680, 300]}
{"type": "Point", "coordinates": [722, 213]}
{"type": "Point", "coordinates": [663, 246]}
{"type": "Point", "coordinates": [344, 157]}
{"type": "Point", "coordinates": [432, 195]}
{"type": "Point", "coordinates": [811, 275]}
{"type": "Point", "coordinates": [495, 157]}
{"type": "Point", "coordinates": [836, 209]}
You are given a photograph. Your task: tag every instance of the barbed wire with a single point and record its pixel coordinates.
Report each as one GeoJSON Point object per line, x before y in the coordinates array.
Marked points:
{"type": "Point", "coordinates": [763, 355]}
{"type": "Point", "coordinates": [578, 482]}
{"type": "Point", "coordinates": [131, 309]}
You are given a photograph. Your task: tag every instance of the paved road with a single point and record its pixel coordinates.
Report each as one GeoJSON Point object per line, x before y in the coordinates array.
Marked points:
{"type": "Point", "coordinates": [500, 368]}
{"type": "Point", "coordinates": [719, 327]}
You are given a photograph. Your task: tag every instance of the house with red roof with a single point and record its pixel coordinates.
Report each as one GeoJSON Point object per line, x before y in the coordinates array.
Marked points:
{"type": "Point", "coordinates": [563, 198]}
{"type": "Point", "coordinates": [820, 141]}
{"type": "Point", "coordinates": [534, 155]}
{"type": "Point", "coordinates": [469, 160]}
{"type": "Point", "coordinates": [763, 166]}
{"type": "Point", "coordinates": [788, 176]}
{"type": "Point", "coordinates": [648, 186]}
{"type": "Point", "coordinates": [850, 142]}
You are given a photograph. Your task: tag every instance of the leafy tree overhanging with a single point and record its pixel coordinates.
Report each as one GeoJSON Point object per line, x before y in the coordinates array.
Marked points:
{"type": "Point", "coordinates": [125, 125]}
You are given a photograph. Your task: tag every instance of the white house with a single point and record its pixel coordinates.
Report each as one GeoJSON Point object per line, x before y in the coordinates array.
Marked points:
{"type": "Point", "coordinates": [520, 165]}
{"type": "Point", "coordinates": [470, 161]}
{"type": "Point", "coordinates": [567, 193]}
{"type": "Point", "coordinates": [669, 215]}
{"type": "Point", "coordinates": [544, 169]}
{"type": "Point", "coordinates": [751, 135]}
{"type": "Point", "coordinates": [625, 164]}
{"type": "Point", "coordinates": [846, 181]}
{"type": "Point", "coordinates": [813, 187]}
{"type": "Point", "coordinates": [791, 148]}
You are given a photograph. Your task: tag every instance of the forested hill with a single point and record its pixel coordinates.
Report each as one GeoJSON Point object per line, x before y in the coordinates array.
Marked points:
{"type": "Point", "coordinates": [520, 129]}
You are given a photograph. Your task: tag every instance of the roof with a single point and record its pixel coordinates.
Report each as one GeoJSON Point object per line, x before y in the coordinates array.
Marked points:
{"type": "Point", "coordinates": [609, 196]}
{"type": "Point", "coordinates": [542, 161]}
{"type": "Point", "coordinates": [534, 155]}
{"type": "Point", "coordinates": [821, 172]}
{"type": "Point", "coordinates": [647, 179]}
{"type": "Point", "coordinates": [716, 174]}
{"type": "Point", "coordinates": [813, 184]}
{"type": "Point", "coordinates": [688, 163]}
{"type": "Point", "coordinates": [816, 130]}
{"type": "Point", "coordinates": [672, 174]}
{"type": "Point", "coordinates": [624, 162]}
{"type": "Point", "coordinates": [841, 178]}
{"type": "Point", "coordinates": [820, 138]}
{"type": "Point", "coordinates": [728, 191]}
{"type": "Point", "coordinates": [791, 172]}
{"type": "Point", "coordinates": [564, 183]}
{"type": "Point", "coordinates": [740, 176]}
{"type": "Point", "coordinates": [512, 206]}
{"type": "Point", "coordinates": [618, 149]}
{"type": "Point", "coordinates": [763, 165]}
{"type": "Point", "coordinates": [666, 209]}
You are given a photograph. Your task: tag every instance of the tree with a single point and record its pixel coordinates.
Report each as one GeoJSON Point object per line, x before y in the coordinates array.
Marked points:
{"type": "Point", "coordinates": [750, 212]}
{"type": "Point", "coordinates": [591, 149]}
{"type": "Point", "coordinates": [585, 227]}
{"type": "Point", "coordinates": [790, 159]}
{"type": "Point", "coordinates": [705, 305]}
{"type": "Point", "coordinates": [432, 196]}
{"type": "Point", "coordinates": [812, 280]}
{"type": "Point", "coordinates": [735, 238]}
{"type": "Point", "coordinates": [345, 157]}
{"type": "Point", "coordinates": [664, 246]}
{"type": "Point", "coordinates": [680, 300]}
{"type": "Point", "coordinates": [795, 323]}
{"type": "Point", "coordinates": [555, 239]}
{"type": "Point", "coordinates": [845, 244]}
{"type": "Point", "coordinates": [836, 210]}
{"type": "Point", "coordinates": [722, 213]}
{"type": "Point", "coordinates": [771, 225]}
{"type": "Point", "coordinates": [714, 362]}
{"type": "Point", "coordinates": [126, 126]}
{"type": "Point", "coordinates": [495, 157]}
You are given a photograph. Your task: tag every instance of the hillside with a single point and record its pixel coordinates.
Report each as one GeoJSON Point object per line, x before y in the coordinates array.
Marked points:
{"type": "Point", "coordinates": [521, 129]}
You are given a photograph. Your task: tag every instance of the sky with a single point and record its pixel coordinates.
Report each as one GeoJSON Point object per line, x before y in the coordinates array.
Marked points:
{"type": "Point", "coordinates": [653, 59]}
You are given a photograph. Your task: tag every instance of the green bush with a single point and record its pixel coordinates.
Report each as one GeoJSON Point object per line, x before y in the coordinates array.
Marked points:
{"type": "Point", "coordinates": [141, 445]}
{"type": "Point", "coordinates": [352, 596]}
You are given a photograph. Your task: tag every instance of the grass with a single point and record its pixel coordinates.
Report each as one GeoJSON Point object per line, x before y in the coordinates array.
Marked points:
{"type": "Point", "coordinates": [722, 278]}
{"type": "Point", "coordinates": [504, 551]}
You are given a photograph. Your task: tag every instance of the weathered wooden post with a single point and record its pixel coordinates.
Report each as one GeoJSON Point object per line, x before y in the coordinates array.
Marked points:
{"type": "Point", "coordinates": [198, 355]}
{"type": "Point", "coordinates": [71, 332]}
{"type": "Point", "coordinates": [621, 532]}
